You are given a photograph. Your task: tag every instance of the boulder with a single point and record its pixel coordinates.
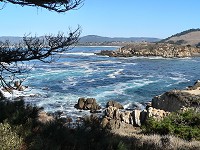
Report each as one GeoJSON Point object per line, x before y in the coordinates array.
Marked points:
{"type": "Point", "coordinates": [136, 117]}
{"type": "Point", "coordinates": [174, 100]}
{"type": "Point", "coordinates": [126, 117]}
{"type": "Point", "coordinates": [114, 104]}
{"type": "Point", "coordinates": [104, 122]}
{"type": "Point", "coordinates": [87, 104]}
{"type": "Point", "coordinates": [111, 112]}
{"type": "Point", "coordinates": [156, 113]}
{"type": "Point", "coordinates": [143, 116]}
{"type": "Point", "coordinates": [80, 104]}
{"type": "Point", "coordinates": [90, 101]}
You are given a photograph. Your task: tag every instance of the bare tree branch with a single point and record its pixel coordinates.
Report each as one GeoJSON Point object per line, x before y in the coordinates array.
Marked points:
{"type": "Point", "coordinates": [53, 5]}
{"type": "Point", "coordinates": [12, 57]}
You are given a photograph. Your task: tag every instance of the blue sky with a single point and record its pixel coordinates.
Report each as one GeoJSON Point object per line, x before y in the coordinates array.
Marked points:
{"type": "Point", "coordinates": [113, 18]}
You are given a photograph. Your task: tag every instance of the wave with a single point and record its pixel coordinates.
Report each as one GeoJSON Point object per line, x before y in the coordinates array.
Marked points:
{"type": "Point", "coordinates": [114, 74]}
{"type": "Point", "coordinates": [80, 54]}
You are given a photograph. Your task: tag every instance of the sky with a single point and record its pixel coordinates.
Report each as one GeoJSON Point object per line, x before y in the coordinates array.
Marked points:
{"type": "Point", "coordinates": [111, 18]}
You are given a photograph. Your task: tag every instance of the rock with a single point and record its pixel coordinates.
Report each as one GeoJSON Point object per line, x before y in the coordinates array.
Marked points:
{"type": "Point", "coordinates": [114, 104]}
{"type": "Point", "coordinates": [136, 117]}
{"type": "Point", "coordinates": [195, 86]}
{"type": "Point", "coordinates": [111, 112]}
{"type": "Point", "coordinates": [87, 104]}
{"type": "Point", "coordinates": [114, 124]}
{"type": "Point", "coordinates": [104, 122]}
{"type": "Point", "coordinates": [119, 126]}
{"type": "Point", "coordinates": [90, 100]}
{"type": "Point", "coordinates": [165, 50]}
{"type": "Point", "coordinates": [143, 116]}
{"type": "Point", "coordinates": [156, 113]}
{"type": "Point", "coordinates": [81, 103]}
{"type": "Point", "coordinates": [174, 100]}
{"type": "Point", "coordinates": [126, 117]}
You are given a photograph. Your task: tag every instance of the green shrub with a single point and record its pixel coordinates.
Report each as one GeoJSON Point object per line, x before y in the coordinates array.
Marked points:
{"type": "Point", "coordinates": [185, 125]}
{"type": "Point", "coordinates": [9, 139]}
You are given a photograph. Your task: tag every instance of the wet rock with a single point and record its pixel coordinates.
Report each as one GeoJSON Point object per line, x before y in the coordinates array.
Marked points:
{"type": "Point", "coordinates": [81, 103]}
{"type": "Point", "coordinates": [87, 104]}
{"type": "Point", "coordinates": [114, 104]}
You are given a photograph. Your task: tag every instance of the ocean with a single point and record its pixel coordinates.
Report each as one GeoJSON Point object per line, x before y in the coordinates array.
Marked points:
{"type": "Point", "coordinates": [131, 81]}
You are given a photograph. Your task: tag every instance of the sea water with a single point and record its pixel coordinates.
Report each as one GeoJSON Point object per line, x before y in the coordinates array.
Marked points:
{"type": "Point", "coordinates": [131, 81]}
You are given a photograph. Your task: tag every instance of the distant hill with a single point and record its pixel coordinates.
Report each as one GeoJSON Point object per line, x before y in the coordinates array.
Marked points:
{"type": "Point", "coordinates": [96, 38]}
{"type": "Point", "coordinates": [188, 37]}
{"type": "Point", "coordinates": [12, 39]}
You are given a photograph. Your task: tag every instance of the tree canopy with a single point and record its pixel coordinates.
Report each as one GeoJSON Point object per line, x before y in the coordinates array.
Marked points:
{"type": "Point", "coordinates": [13, 56]}
{"type": "Point", "coordinates": [54, 5]}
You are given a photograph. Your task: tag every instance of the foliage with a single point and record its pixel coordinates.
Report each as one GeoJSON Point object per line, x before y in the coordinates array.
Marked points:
{"type": "Point", "coordinates": [184, 124]}
{"type": "Point", "coordinates": [8, 138]}
{"type": "Point", "coordinates": [87, 134]}
{"type": "Point", "coordinates": [45, 49]}
{"type": "Point", "coordinates": [53, 5]}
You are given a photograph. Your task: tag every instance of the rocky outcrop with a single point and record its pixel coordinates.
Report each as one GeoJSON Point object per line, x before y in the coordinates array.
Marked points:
{"type": "Point", "coordinates": [176, 99]}
{"type": "Point", "coordinates": [153, 49]}
{"type": "Point", "coordinates": [87, 104]}
{"type": "Point", "coordinates": [195, 86]}
{"type": "Point", "coordinates": [115, 118]}
{"type": "Point", "coordinates": [114, 104]}
{"type": "Point", "coordinates": [157, 114]}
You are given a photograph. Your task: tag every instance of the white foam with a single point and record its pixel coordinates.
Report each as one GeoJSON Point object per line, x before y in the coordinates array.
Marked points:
{"type": "Point", "coordinates": [114, 74]}
{"type": "Point", "coordinates": [16, 93]}
{"type": "Point", "coordinates": [81, 54]}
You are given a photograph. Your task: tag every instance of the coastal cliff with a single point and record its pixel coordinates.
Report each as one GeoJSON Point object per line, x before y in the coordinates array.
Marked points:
{"type": "Point", "coordinates": [165, 50]}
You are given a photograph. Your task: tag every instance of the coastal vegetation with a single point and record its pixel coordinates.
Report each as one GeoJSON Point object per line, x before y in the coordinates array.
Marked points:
{"type": "Point", "coordinates": [183, 124]}
{"type": "Point", "coordinates": [21, 128]}
{"type": "Point", "coordinates": [28, 127]}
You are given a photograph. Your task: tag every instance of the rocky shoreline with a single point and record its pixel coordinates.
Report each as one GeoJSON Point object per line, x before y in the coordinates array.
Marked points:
{"type": "Point", "coordinates": [115, 117]}
{"type": "Point", "coordinates": [164, 50]}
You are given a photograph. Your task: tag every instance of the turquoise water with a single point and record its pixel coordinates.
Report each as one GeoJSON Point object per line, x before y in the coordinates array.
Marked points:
{"type": "Point", "coordinates": [131, 81]}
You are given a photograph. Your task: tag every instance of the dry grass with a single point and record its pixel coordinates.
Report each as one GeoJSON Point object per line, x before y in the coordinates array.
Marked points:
{"type": "Point", "coordinates": [157, 142]}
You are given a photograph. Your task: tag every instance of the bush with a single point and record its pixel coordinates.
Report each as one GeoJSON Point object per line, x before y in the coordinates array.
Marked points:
{"type": "Point", "coordinates": [185, 125]}
{"type": "Point", "coordinates": [9, 139]}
